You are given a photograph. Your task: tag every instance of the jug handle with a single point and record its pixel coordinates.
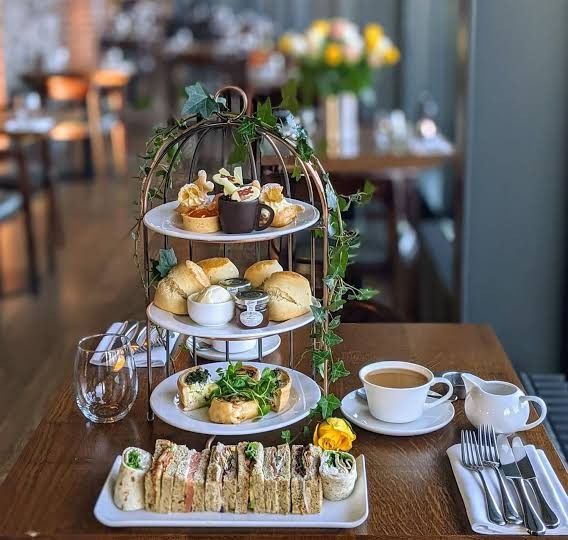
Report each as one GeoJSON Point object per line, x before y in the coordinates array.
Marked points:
{"type": "Point", "coordinates": [543, 410]}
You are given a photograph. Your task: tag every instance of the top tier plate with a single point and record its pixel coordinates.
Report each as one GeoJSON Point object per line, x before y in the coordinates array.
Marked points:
{"type": "Point", "coordinates": [165, 220]}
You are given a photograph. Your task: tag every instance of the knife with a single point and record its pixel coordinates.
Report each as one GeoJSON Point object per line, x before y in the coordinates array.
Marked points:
{"type": "Point", "coordinates": [533, 523]}
{"type": "Point", "coordinates": [549, 518]}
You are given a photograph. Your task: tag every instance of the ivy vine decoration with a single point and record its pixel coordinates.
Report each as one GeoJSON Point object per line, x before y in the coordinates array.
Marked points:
{"type": "Point", "coordinates": [343, 242]}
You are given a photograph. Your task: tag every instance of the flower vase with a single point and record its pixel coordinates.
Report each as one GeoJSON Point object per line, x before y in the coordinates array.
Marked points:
{"type": "Point", "coordinates": [341, 113]}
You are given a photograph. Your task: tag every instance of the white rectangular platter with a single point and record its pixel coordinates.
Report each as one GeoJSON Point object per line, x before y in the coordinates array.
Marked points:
{"type": "Point", "coordinates": [334, 515]}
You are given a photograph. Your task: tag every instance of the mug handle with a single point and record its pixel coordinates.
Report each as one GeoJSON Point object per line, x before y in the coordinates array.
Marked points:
{"type": "Point", "coordinates": [259, 209]}
{"type": "Point", "coordinates": [543, 411]}
{"type": "Point", "coordinates": [445, 397]}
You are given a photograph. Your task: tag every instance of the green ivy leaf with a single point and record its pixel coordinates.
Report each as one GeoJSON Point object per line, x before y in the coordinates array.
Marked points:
{"type": "Point", "coordinates": [336, 305]}
{"type": "Point", "coordinates": [319, 357]}
{"type": "Point", "coordinates": [331, 196]}
{"type": "Point", "coordinates": [296, 171]}
{"type": "Point", "coordinates": [318, 313]}
{"type": "Point", "coordinates": [338, 370]}
{"type": "Point", "coordinates": [200, 102]}
{"type": "Point", "coordinates": [305, 151]}
{"type": "Point", "coordinates": [167, 260]}
{"type": "Point", "coordinates": [290, 96]}
{"type": "Point", "coordinates": [264, 113]}
{"type": "Point", "coordinates": [286, 436]}
{"type": "Point", "coordinates": [331, 339]}
{"type": "Point", "coordinates": [334, 323]}
{"type": "Point", "coordinates": [327, 405]}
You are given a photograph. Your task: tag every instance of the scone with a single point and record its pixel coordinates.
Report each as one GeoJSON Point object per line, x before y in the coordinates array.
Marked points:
{"type": "Point", "coordinates": [219, 268]}
{"type": "Point", "coordinates": [290, 295]}
{"type": "Point", "coordinates": [260, 271]}
{"type": "Point", "coordinates": [184, 279]}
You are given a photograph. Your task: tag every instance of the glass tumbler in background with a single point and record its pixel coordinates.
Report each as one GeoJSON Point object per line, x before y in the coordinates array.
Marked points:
{"type": "Point", "coordinates": [105, 377]}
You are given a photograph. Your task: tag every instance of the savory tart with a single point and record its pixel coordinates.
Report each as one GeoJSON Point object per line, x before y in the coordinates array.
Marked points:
{"type": "Point", "coordinates": [194, 388]}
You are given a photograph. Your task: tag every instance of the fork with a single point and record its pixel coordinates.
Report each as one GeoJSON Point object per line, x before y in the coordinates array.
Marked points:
{"type": "Point", "coordinates": [490, 458]}
{"type": "Point", "coordinates": [472, 460]}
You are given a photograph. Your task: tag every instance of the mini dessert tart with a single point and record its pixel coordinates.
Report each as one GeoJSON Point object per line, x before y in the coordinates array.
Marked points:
{"type": "Point", "coordinates": [251, 309]}
{"type": "Point", "coordinates": [213, 306]}
{"type": "Point", "coordinates": [284, 211]}
{"type": "Point", "coordinates": [194, 388]}
{"type": "Point", "coordinates": [198, 209]}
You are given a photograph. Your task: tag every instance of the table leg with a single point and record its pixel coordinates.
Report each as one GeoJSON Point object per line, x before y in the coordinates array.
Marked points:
{"type": "Point", "coordinates": [54, 227]}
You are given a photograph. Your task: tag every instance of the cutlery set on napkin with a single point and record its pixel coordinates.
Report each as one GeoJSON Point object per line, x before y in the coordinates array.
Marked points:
{"type": "Point", "coordinates": [507, 488]}
{"type": "Point", "coordinates": [140, 341]}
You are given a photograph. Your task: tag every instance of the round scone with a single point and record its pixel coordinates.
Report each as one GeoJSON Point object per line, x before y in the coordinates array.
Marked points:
{"type": "Point", "coordinates": [260, 271]}
{"type": "Point", "coordinates": [183, 280]}
{"type": "Point", "coordinates": [290, 295]}
{"type": "Point", "coordinates": [218, 269]}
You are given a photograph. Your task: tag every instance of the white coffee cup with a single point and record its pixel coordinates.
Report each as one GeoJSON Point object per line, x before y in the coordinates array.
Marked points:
{"type": "Point", "coordinates": [400, 405]}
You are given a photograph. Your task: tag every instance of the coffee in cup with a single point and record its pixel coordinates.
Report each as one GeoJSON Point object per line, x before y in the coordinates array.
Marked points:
{"type": "Point", "coordinates": [397, 390]}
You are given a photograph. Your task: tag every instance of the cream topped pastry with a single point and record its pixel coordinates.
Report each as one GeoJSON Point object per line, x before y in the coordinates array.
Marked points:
{"type": "Point", "coordinates": [196, 193]}
{"type": "Point", "coordinates": [233, 185]}
{"type": "Point", "coordinates": [284, 211]}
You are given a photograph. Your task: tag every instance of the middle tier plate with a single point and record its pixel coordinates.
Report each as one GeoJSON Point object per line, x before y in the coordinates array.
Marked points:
{"type": "Point", "coordinates": [165, 220]}
{"type": "Point", "coordinates": [184, 325]}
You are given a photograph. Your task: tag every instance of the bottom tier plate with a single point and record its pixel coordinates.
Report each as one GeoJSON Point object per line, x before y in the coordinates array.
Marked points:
{"type": "Point", "coordinates": [346, 514]}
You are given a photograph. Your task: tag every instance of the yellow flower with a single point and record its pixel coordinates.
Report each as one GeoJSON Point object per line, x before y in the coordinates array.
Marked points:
{"type": "Point", "coordinates": [392, 55]}
{"type": "Point", "coordinates": [321, 26]}
{"type": "Point", "coordinates": [373, 34]}
{"type": "Point", "coordinates": [333, 54]}
{"type": "Point", "coordinates": [334, 434]}
{"type": "Point", "coordinates": [286, 44]}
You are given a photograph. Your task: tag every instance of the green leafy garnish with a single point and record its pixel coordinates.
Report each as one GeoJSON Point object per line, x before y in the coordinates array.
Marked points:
{"type": "Point", "coordinates": [286, 436]}
{"type": "Point", "coordinates": [236, 384]}
{"type": "Point", "coordinates": [198, 376]}
{"type": "Point", "coordinates": [251, 451]}
{"type": "Point", "coordinates": [133, 459]}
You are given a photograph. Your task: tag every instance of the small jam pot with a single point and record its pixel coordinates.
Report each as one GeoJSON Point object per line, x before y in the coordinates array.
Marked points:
{"type": "Point", "coordinates": [251, 309]}
{"type": "Point", "coordinates": [235, 285]}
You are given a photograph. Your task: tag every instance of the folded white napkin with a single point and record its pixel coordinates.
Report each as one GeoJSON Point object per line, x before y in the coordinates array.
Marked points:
{"type": "Point", "coordinates": [474, 499]}
{"type": "Point", "coordinates": [37, 124]}
{"type": "Point", "coordinates": [158, 353]}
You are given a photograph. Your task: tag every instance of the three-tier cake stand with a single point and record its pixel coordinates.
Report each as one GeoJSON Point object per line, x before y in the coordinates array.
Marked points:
{"type": "Point", "coordinates": [162, 219]}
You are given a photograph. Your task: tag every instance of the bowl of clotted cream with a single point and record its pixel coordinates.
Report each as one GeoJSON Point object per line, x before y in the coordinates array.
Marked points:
{"type": "Point", "coordinates": [213, 306]}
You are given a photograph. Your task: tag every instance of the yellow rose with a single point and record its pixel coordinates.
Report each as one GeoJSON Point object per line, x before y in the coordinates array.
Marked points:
{"type": "Point", "coordinates": [321, 26]}
{"type": "Point", "coordinates": [373, 34]}
{"type": "Point", "coordinates": [333, 55]}
{"type": "Point", "coordinates": [334, 434]}
{"type": "Point", "coordinates": [286, 44]}
{"type": "Point", "coordinates": [392, 55]}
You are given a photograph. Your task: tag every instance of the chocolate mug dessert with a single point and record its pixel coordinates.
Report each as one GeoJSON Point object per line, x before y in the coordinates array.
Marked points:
{"type": "Point", "coordinates": [240, 210]}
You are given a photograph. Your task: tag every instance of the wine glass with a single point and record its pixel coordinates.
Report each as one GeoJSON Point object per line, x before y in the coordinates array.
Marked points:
{"type": "Point", "coordinates": [105, 377]}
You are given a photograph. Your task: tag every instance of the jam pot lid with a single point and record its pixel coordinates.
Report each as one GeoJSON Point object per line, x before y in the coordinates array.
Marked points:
{"type": "Point", "coordinates": [251, 296]}
{"type": "Point", "coordinates": [234, 282]}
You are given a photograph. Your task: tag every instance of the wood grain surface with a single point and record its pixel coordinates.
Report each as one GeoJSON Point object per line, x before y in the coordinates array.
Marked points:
{"type": "Point", "coordinates": [52, 488]}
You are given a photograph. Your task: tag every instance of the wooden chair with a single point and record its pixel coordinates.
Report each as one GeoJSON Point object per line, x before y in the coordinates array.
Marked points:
{"type": "Point", "coordinates": [105, 106]}
{"type": "Point", "coordinates": [12, 201]}
{"type": "Point", "coordinates": [67, 94]}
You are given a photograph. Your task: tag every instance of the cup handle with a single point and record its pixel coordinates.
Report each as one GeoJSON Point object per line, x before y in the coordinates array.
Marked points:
{"type": "Point", "coordinates": [260, 208]}
{"type": "Point", "coordinates": [445, 397]}
{"type": "Point", "coordinates": [543, 410]}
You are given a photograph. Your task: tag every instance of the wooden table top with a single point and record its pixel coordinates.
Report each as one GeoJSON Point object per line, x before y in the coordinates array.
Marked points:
{"type": "Point", "coordinates": [53, 486]}
{"type": "Point", "coordinates": [369, 160]}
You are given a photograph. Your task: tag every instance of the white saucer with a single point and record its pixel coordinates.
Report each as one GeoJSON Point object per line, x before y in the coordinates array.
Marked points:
{"type": "Point", "coordinates": [269, 345]}
{"type": "Point", "coordinates": [357, 412]}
